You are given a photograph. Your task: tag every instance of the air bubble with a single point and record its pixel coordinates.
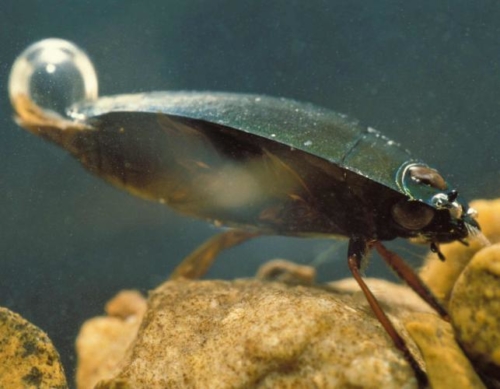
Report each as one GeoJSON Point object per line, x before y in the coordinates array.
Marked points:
{"type": "Point", "coordinates": [54, 74]}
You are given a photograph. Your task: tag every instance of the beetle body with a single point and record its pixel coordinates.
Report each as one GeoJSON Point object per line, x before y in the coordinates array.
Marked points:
{"type": "Point", "coordinates": [266, 164]}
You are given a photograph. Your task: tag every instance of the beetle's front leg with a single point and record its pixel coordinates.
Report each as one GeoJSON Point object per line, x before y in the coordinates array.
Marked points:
{"type": "Point", "coordinates": [196, 264]}
{"type": "Point", "coordinates": [358, 248]}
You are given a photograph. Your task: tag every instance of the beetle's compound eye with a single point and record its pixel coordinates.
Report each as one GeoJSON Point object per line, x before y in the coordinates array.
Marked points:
{"type": "Point", "coordinates": [427, 176]}
{"type": "Point", "coordinates": [412, 215]}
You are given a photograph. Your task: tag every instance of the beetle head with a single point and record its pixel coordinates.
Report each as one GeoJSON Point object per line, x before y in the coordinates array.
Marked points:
{"type": "Point", "coordinates": [431, 211]}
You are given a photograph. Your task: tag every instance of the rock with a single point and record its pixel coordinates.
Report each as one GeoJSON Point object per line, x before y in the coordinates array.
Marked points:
{"type": "Point", "coordinates": [288, 272]}
{"type": "Point", "coordinates": [251, 333]}
{"type": "Point", "coordinates": [127, 304]}
{"type": "Point", "coordinates": [102, 341]}
{"type": "Point", "coordinates": [475, 309]}
{"type": "Point", "coordinates": [28, 358]}
{"type": "Point", "coordinates": [446, 364]}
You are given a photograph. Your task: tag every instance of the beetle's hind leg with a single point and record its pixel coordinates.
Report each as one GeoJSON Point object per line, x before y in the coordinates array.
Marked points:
{"type": "Point", "coordinates": [356, 252]}
{"type": "Point", "coordinates": [196, 264]}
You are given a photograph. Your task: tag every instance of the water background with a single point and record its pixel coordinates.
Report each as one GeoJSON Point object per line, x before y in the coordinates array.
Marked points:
{"type": "Point", "coordinates": [425, 73]}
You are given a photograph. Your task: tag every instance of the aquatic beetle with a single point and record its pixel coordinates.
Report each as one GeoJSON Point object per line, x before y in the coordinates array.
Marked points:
{"type": "Point", "coordinates": [261, 165]}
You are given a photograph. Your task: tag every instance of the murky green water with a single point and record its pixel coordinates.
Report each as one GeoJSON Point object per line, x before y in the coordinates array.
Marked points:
{"type": "Point", "coordinates": [426, 74]}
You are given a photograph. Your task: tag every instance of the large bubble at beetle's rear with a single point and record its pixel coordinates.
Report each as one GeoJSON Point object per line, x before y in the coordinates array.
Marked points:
{"type": "Point", "coordinates": [53, 73]}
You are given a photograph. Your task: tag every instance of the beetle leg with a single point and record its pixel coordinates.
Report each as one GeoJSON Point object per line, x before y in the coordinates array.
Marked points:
{"type": "Point", "coordinates": [356, 252]}
{"type": "Point", "coordinates": [408, 275]}
{"type": "Point", "coordinates": [435, 249]}
{"type": "Point", "coordinates": [196, 264]}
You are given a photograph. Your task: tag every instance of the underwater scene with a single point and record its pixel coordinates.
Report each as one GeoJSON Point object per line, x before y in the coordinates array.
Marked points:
{"type": "Point", "coordinates": [222, 194]}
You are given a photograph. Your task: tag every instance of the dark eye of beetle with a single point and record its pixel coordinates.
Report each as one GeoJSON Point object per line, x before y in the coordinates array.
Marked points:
{"type": "Point", "coordinates": [428, 176]}
{"type": "Point", "coordinates": [412, 215]}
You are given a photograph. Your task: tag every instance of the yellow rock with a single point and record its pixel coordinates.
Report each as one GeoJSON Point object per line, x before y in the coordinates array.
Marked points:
{"type": "Point", "coordinates": [251, 333]}
{"type": "Point", "coordinates": [475, 308]}
{"type": "Point", "coordinates": [102, 341]}
{"type": "Point", "coordinates": [446, 364]}
{"type": "Point", "coordinates": [27, 357]}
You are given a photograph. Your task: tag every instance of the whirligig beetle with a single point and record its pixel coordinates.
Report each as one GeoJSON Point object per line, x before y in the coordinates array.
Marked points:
{"type": "Point", "coordinates": [263, 166]}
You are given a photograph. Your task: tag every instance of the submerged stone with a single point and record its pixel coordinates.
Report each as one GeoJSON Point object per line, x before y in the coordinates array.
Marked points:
{"type": "Point", "coordinates": [28, 357]}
